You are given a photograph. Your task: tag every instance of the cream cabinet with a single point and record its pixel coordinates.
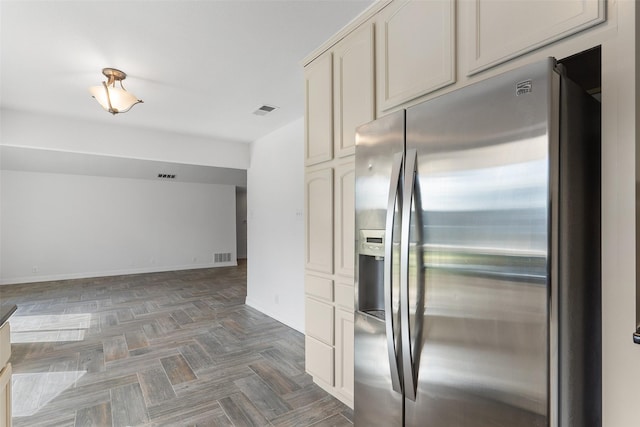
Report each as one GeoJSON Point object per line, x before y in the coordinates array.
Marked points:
{"type": "Point", "coordinates": [503, 29]}
{"type": "Point", "coordinates": [5, 344]}
{"type": "Point", "coordinates": [344, 343]}
{"type": "Point", "coordinates": [345, 218]}
{"type": "Point", "coordinates": [330, 244]}
{"type": "Point", "coordinates": [415, 48]}
{"type": "Point", "coordinates": [344, 354]}
{"type": "Point", "coordinates": [318, 78]}
{"type": "Point", "coordinates": [5, 375]}
{"type": "Point", "coordinates": [319, 328]}
{"type": "Point", "coordinates": [319, 361]}
{"type": "Point", "coordinates": [353, 94]}
{"type": "Point", "coordinates": [319, 220]}
{"type": "Point", "coordinates": [5, 396]}
{"type": "Point", "coordinates": [319, 287]}
{"type": "Point", "coordinates": [319, 320]}
{"type": "Point", "coordinates": [347, 89]}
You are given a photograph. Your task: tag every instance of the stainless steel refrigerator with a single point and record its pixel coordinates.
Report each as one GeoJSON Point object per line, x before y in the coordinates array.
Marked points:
{"type": "Point", "coordinates": [478, 258]}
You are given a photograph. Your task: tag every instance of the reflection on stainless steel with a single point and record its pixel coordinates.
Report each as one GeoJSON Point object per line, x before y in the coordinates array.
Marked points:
{"type": "Point", "coordinates": [484, 215]}
{"type": "Point", "coordinates": [496, 272]}
{"type": "Point", "coordinates": [376, 347]}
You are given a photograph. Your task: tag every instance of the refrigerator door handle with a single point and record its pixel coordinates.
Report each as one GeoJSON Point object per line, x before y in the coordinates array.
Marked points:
{"type": "Point", "coordinates": [394, 186]}
{"type": "Point", "coordinates": [405, 317]}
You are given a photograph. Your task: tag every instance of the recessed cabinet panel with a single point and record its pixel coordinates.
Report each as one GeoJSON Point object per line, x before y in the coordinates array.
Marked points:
{"type": "Point", "coordinates": [319, 220]}
{"type": "Point", "coordinates": [5, 396]}
{"type": "Point", "coordinates": [416, 50]}
{"type": "Point", "coordinates": [345, 218]}
{"type": "Point", "coordinates": [344, 353]}
{"type": "Point", "coordinates": [354, 88]}
{"type": "Point", "coordinates": [319, 287]}
{"type": "Point", "coordinates": [319, 359]}
{"type": "Point", "coordinates": [504, 29]}
{"type": "Point", "coordinates": [5, 344]}
{"type": "Point", "coordinates": [319, 110]}
{"type": "Point", "coordinates": [344, 296]}
{"type": "Point", "coordinates": [319, 320]}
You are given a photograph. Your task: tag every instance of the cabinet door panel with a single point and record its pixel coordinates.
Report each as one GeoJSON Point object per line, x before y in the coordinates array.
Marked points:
{"type": "Point", "coordinates": [524, 26]}
{"type": "Point", "coordinates": [344, 353]}
{"type": "Point", "coordinates": [416, 50]}
{"type": "Point", "coordinates": [319, 287]}
{"type": "Point", "coordinates": [353, 67]}
{"type": "Point", "coordinates": [319, 320]}
{"type": "Point", "coordinates": [345, 296]}
{"type": "Point", "coordinates": [319, 110]}
{"type": "Point", "coordinates": [5, 396]}
{"type": "Point", "coordinates": [319, 220]}
{"type": "Point", "coordinates": [345, 219]}
{"type": "Point", "coordinates": [5, 344]}
{"type": "Point", "coordinates": [319, 359]}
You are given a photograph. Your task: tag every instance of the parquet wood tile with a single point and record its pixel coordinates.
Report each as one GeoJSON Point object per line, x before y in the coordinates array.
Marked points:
{"type": "Point", "coordinates": [162, 349]}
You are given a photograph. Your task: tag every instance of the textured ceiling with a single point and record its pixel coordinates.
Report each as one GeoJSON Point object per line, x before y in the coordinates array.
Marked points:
{"type": "Point", "coordinates": [201, 67]}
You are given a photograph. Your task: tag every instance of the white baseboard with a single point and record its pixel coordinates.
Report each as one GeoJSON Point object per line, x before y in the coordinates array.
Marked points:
{"type": "Point", "coordinates": [121, 272]}
{"type": "Point", "coordinates": [254, 304]}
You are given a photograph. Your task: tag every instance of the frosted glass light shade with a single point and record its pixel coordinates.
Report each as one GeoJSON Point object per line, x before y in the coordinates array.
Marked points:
{"type": "Point", "coordinates": [121, 100]}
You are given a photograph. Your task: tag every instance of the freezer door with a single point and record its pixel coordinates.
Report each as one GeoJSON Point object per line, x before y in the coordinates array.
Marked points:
{"type": "Point", "coordinates": [379, 162]}
{"type": "Point", "coordinates": [477, 302]}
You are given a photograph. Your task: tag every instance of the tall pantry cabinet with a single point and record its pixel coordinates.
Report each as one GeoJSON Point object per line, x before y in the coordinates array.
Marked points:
{"type": "Point", "coordinates": [339, 88]}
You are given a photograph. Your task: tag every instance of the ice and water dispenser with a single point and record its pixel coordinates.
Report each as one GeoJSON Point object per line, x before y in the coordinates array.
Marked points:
{"type": "Point", "coordinates": [371, 272]}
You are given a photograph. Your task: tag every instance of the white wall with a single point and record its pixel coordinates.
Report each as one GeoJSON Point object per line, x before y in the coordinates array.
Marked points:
{"type": "Point", "coordinates": [80, 136]}
{"type": "Point", "coordinates": [275, 198]}
{"type": "Point", "coordinates": [57, 226]}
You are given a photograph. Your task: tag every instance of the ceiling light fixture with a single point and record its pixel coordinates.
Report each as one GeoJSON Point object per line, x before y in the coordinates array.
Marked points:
{"type": "Point", "coordinates": [114, 100]}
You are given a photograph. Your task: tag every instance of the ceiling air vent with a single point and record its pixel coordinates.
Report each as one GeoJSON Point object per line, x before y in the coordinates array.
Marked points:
{"type": "Point", "coordinates": [264, 110]}
{"type": "Point", "coordinates": [166, 176]}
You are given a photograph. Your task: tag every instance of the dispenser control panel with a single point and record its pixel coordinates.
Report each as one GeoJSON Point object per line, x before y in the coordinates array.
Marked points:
{"type": "Point", "coordinates": [372, 243]}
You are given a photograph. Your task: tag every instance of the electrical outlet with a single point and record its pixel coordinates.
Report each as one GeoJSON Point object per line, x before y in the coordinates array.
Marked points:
{"type": "Point", "coordinates": [276, 299]}
{"type": "Point", "coordinates": [34, 269]}
{"type": "Point", "coordinates": [195, 259]}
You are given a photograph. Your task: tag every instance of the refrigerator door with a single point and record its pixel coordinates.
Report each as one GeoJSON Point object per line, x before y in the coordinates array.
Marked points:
{"type": "Point", "coordinates": [478, 291]}
{"type": "Point", "coordinates": [379, 162]}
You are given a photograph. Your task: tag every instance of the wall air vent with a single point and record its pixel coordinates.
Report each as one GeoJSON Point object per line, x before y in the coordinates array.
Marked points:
{"type": "Point", "coordinates": [264, 110]}
{"type": "Point", "coordinates": [223, 257]}
{"type": "Point", "coordinates": [166, 176]}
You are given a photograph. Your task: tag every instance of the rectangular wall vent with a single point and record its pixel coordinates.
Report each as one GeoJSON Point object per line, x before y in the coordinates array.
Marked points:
{"type": "Point", "coordinates": [223, 257]}
{"type": "Point", "coordinates": [263, 110]}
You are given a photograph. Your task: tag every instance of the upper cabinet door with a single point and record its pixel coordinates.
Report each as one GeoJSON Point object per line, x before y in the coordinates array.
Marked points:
{"type": "Point", "coordinates": [415, 45]}
{"type": "Point", "coordinates": [504, 29]}
{"type": "Point", "coordinates": [318, 139]}
{"type": "Point", "coordinates": [319, 220]}
{"type": "Point", "coordinates": [353, 97]}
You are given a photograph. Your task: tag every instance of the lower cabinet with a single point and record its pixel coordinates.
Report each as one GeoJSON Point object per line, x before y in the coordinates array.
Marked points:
{"type": "Point", "coordinates": [329, 334]}
{"type": "Point", "coordinates": [344, 354]}
{"type": "Point", "coordinates": [5, 344]}
{"type": "Point", "coordinates": [319, 320]}
{"type": "Point", "coordinates": [319, 360]}
{"type": "Point", "coordinates": [330, 244]}
{"type": "Point", "coordinates": [5, 375]}
{"type": "Point", "coordinates": [5, 396]}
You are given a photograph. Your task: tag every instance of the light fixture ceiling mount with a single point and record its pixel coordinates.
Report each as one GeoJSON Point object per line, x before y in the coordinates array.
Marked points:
{"type": "Point", "coordinates": [112, 99]}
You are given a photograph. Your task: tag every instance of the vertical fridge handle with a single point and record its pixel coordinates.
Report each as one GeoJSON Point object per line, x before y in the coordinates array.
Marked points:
{"type": "Point", "coordinates": [407, 354]}
{"type": "Point", "coordinates": [394, 185]}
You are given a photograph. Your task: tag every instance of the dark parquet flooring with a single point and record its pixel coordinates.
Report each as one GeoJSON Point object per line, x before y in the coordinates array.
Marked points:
{"type": "Point", "coordinates": [160, 349]}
